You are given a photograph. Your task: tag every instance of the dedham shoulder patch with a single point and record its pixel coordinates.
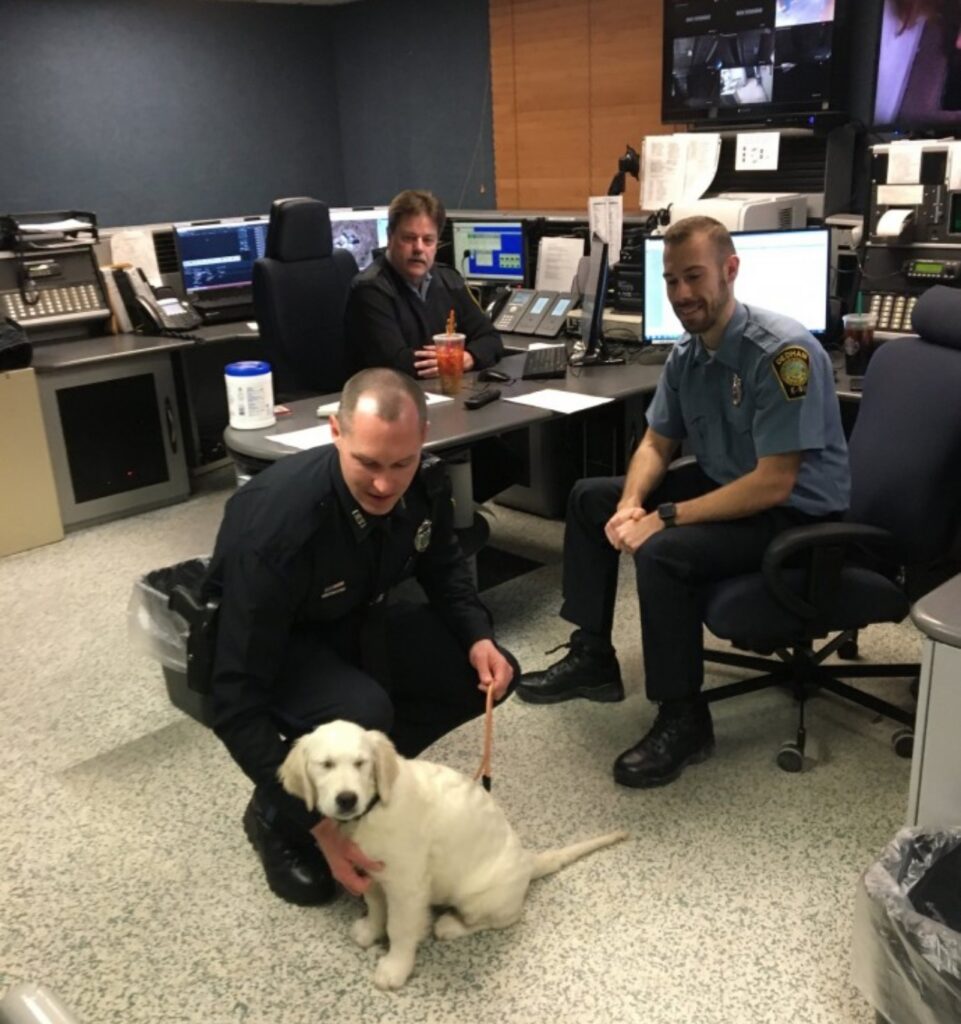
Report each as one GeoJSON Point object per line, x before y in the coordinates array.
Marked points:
{"type": "Point", "coordinates": [792, 367]}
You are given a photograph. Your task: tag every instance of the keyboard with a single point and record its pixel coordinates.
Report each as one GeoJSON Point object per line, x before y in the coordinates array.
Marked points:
{"type": "Point", "coordinates": [545, 363]}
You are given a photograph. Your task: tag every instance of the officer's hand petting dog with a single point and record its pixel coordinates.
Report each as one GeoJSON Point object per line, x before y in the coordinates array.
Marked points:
{"type": "Point", "coordinates": [348, 862]}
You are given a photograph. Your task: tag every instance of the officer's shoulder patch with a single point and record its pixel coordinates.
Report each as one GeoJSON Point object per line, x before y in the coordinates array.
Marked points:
{"type": "Point", "coordinates": [792, 367]}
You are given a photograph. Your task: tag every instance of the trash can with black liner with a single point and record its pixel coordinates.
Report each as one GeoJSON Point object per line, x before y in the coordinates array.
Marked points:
{"type": "Point", "coordinates": [168, 620]}
{"type": "Point", "coordinates": [907, 929]}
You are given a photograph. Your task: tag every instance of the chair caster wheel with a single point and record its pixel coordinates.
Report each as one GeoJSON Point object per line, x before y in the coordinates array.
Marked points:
{"type": "Point", "coordinates": [849, 650]}
{"type": "Point", "coordinates": [790, 757]}
{"type": "Point", "coordinates": [903, 742]}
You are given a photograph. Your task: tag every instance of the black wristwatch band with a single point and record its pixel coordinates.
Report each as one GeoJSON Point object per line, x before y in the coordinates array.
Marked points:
{"type": "Point", "coordinates": [668, 513]}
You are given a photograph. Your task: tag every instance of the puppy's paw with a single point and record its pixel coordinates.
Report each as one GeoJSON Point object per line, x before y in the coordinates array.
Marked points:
{"type": "Point", "coordinates": [449, 926]}
{"type": "Point", "coordinates": [366, 932]}
{"type": "Point", "coordinates": [392, 971]}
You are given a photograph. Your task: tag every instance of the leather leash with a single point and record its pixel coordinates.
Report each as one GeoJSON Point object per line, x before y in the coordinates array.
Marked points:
{"type": "Point", "coordinates": [484, 771]}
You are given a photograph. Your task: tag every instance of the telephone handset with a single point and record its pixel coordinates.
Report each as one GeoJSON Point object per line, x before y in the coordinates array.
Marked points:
{"type": "Point", "coordinates": [517, 303]}
{"type": "Point", "coordinates": [150, 311]}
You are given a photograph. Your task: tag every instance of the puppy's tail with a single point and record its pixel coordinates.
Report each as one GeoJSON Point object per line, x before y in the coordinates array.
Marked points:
{"type": "Point", "coordinates": [549, 861]}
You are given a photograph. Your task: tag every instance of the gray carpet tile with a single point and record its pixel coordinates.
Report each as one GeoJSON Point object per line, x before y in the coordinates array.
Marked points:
{"type": "Point", "coordinates": [128, 887]}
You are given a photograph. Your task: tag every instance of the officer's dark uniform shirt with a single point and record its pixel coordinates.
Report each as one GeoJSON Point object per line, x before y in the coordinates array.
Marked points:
{"type": "Point", "coordinates": [768, 389]}
{"type": "Point", "coordinates": [296, 551]}
{"type": "Point", "coordinates": [387, 320]}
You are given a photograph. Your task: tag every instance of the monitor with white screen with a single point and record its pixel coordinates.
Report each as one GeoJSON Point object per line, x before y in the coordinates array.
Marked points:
{"type": "Point", "coordinates": [360, 231]}
{"type": "Point", "coordinates": [219, 257]}
{"type": "Point", "coordinates": [783, 271]}
{"type": "Point", "coordinates": [489, 252]}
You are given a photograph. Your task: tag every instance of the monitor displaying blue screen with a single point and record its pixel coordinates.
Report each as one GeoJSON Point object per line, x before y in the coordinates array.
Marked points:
{"type": "Point", "coordinates": [489, 251]}
{"type": "Point", "coordinates": [360, 231]}
{"type": "Point", "coordinates": [783, 271]}
{"type": "Point", "coordinates": [221, 255]}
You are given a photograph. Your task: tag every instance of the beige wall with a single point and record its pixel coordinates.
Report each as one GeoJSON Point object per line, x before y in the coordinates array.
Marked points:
{"type": "Point", "coordinates": [573, 82]}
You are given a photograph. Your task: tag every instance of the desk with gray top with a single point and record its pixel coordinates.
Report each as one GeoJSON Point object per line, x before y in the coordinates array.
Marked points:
{"type": "Point", "coordinates": [936, 762]}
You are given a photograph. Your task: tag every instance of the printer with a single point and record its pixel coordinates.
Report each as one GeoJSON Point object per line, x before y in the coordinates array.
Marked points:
{"type": "Point", "coordinates": [748, 211]}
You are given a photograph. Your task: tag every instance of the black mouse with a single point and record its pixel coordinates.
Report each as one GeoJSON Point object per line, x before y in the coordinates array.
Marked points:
{"type": "Point", "coordinates": [497, 375]}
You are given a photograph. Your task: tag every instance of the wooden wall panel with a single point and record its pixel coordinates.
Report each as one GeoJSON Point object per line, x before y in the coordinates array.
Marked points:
{"type": "Point", "coordinates": [573, 82]}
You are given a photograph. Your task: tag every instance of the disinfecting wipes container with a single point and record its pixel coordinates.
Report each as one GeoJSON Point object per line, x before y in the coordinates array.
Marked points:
{"type": "Point", "coordinates": [250, 395]}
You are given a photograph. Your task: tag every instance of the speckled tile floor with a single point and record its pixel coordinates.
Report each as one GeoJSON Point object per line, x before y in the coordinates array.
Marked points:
{"type": "Point", "coordinates": [127, 885]}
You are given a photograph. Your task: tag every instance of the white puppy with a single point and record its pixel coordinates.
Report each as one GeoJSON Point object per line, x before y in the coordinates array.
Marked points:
{"type": "Point", "coordinates": [443, 841]}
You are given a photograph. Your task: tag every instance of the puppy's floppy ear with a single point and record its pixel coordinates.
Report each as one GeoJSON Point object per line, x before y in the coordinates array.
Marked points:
{"type": "Point", "coordinates": [294, 777]}
{"type": "Point", "coordinates": [386, 764]}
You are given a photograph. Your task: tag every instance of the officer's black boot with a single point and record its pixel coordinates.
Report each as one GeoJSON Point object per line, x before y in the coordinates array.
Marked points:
{"type": "Point", "coordinates": [682, 734]}
{"type": "Point", "coordinates": [295, 871]}
{"type": "Point", "coordinates": [588, 670]}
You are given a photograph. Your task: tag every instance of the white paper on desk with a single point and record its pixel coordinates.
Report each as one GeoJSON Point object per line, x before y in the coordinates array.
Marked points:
{"type": "Point", "coordinates": [557, 260]}
{"type": "Point", "coordinates": [677, 168]}
{"type": "Point", "coordinates": [559, 401]}
{"type": "Point", "coordinates": [757, 151]}
{"type": "Point", "coordinates": [136, 247]}
{"type": "Point", "coordinates": [606, 221]}
{"type": "Point", "coordinates": [904, 163]}
{"type": "Point", "coordinates": [311, 437]}
{"type": "Point", "coordinates": [544, 344]}
{"type": "Point", "coordinates": [433, 399]}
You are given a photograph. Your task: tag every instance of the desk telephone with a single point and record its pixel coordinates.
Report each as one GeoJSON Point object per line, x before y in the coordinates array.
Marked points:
{"type": "Point", "coordinates": [892, 310]}
{"type": "Point", "coordinates": [527, 311]}
{"type": "Point", "coordinates": [153, 310]}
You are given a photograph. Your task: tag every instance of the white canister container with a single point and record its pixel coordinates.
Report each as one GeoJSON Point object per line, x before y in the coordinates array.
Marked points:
{"type": "Point", "coordinates": [250, 395]}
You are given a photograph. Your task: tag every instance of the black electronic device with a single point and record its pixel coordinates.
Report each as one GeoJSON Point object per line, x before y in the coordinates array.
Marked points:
{"type": "Point", "coordinates": [932, 271]}
{"type": "Point", "coordinates": [728, 61]}
{"type": "Point", "coordinates": [150, 311]}
{"type": "Point", "coordinates": [556, 316]}
{"type": "Point", "coordinates": [53, 289]}
{"type": "Point", "coordinates": [482, 398]}
{"type": "Point", "coordinates": [547, 363]}
{"type": "Point", "coordinates": [509, 317]}
{"type": "Point", "coordinates": [892, 310]}
{"type": "Point", "coordinates": [217, 265]}
{"type": "Point", "coordinates": [592, 318]}
{"type": "Point", "coordinates": [539, 308]}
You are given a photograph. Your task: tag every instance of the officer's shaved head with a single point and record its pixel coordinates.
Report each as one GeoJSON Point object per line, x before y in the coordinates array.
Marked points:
{"type": "Point", "coordinates": [389, 392]}
{"type": "Point", "coordinates": [684, 230]}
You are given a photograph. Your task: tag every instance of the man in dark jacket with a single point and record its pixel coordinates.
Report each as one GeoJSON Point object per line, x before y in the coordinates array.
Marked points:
{"type": "Point", "coordinates": [306, 556]}
{"type": "Point", "coordinates": [402, 299]}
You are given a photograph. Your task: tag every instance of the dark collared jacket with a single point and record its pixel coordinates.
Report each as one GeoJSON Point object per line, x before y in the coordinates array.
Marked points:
{"type": "Point", "coordinates": [386, 321]}
{"type": "Point", "coordinates": [296, 552]}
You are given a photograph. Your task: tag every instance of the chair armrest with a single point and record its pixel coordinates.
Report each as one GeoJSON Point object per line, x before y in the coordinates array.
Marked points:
{"type": "Point", "coordinates": [826, 545]}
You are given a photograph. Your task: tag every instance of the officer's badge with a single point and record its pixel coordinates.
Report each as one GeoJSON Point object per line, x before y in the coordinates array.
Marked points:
{"type": "Point", "coordinates": [792, 367]}
{"type": "Point", "coordinates": [737, 390]}
{"type": "Point", "coordinates": [422, 537]}
{"type": "Point", "coordinates": [358, 517]}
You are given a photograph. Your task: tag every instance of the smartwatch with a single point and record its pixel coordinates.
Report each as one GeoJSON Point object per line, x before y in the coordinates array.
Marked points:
{"type": "Point", "coordinates": [668, 513]}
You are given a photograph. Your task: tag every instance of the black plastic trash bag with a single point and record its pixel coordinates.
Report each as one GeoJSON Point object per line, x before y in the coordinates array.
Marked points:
{"type": "Point", "coordinates": [907, 928]}
{"type": "Point", "coordinates": [167, 620]}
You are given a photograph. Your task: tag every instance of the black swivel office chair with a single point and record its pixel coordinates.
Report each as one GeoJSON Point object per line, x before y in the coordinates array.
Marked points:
{"type": "Point", "coordinates": [898, 540]}
{"type": "Point", "coordinates": [300, 294]}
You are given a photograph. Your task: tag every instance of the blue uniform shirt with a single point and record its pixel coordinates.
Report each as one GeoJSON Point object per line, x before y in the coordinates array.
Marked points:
{"type": "Point", "coordinates": [768, 389]}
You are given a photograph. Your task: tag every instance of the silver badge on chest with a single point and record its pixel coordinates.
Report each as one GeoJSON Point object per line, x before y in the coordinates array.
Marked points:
{"type": "Point", "coordinates": [737, 389]}
{"type": "Point", "coordinates": [422, 537]}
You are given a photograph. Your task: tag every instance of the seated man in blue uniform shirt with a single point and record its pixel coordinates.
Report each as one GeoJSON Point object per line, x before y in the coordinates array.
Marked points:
{"type": "Point", "coordinates": [752, 394]}
{"type": "Point", "coordinates": [306, 556]}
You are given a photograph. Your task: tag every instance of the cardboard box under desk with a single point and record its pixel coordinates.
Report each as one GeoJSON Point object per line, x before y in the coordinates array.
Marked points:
{"type": "Point", "coordinates": [29, 509]}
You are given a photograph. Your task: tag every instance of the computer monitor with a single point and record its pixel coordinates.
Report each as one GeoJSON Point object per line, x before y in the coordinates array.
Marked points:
{"type": "Point", "coordinates": [730, 61]}
{"type": "Point", "coordinates": [919, 67]}
{"type": "Point", "coordinates": [490, 251]}
{"type": "Point", "coordinates": [592, 311]}
{"type": "Point", "coordinates": [219, 256]}
{"type": "Point", "coordinates": [783, 271]}
{"type": "Point", "coordinates": [359, 230]}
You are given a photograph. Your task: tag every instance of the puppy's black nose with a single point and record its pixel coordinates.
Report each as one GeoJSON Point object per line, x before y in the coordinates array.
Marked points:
{"type": "Point", "coordinates": [346, 801]}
